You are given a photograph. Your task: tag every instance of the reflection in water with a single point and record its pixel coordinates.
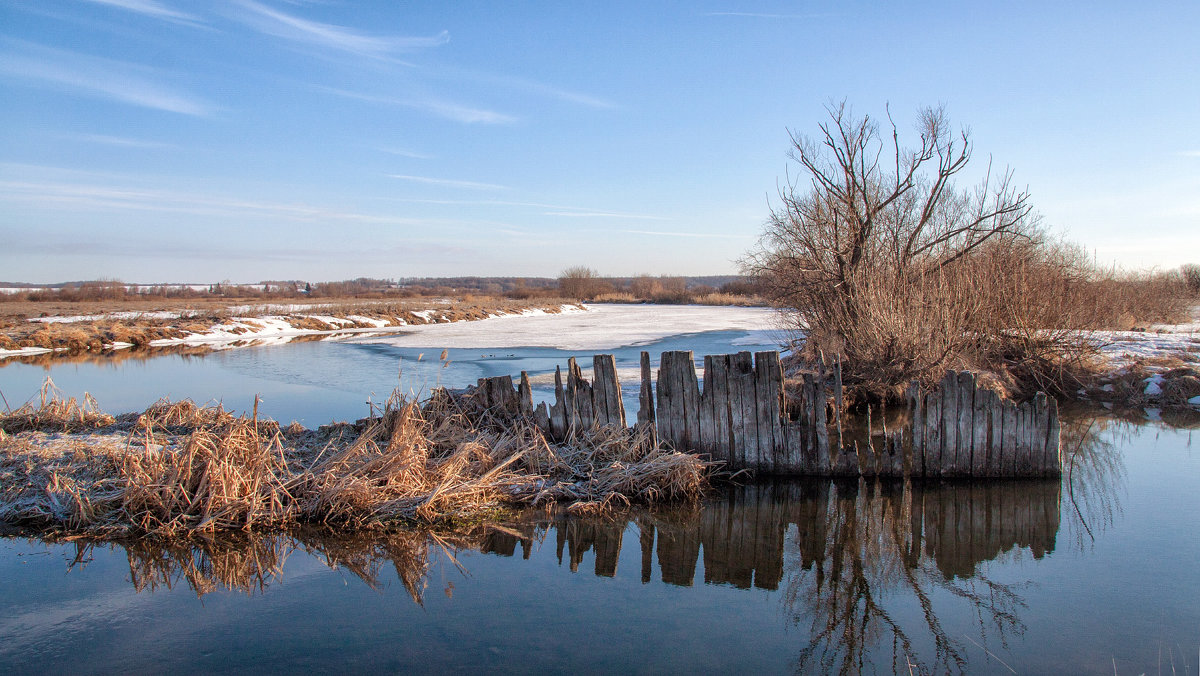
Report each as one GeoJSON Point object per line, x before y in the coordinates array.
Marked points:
{"type": "Point", "coordinates": [874, 542]}
{"type": "Point", "coordinates": [1093, 473]}
{"type": "Point", "coordinates": [849, 562]}
{"type": "Point", "coordinates": [112, 358]}
{"type": "Point", "coordinates": [249, 563]}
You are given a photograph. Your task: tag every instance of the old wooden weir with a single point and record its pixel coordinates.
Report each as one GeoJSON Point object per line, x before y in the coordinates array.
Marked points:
{"type": "Point", "coordinates": [743, 417]}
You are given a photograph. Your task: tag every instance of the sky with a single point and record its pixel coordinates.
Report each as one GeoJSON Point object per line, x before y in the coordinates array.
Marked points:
{"type": "Point", "coordinates": [248, 140]}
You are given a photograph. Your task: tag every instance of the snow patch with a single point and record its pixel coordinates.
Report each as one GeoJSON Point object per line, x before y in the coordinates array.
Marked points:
{"type": "Point", "coordinates": [68, 319]}
{"type": "Point", "coordinates": [1153, 385]}
{"type": "Point", "coordinates": [24, 352]}
{"type": "Point", "coordinates": [378, 323]}
{"type": "Point", "coordinates": [600, 327]}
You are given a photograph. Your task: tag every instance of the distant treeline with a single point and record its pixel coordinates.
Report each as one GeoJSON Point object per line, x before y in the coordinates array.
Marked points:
{"type": "Point", "coordinates": [716, 289]}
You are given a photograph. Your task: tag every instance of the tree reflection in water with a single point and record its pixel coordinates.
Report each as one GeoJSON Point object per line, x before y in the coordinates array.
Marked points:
{"type": "Point", "coordinates": [867, 570]}
{"type": "Point", "coordinates": [878, 542]}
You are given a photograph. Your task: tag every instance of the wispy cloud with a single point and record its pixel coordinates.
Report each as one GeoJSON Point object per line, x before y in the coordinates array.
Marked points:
{"type": "Point", "coordinates": [554, 209]}
{"type": "Point", "coordinates": [473, 185]}
{"type": "Point", "coordinates": [604, 214]}
{"type": "Point", "coordinates": [406, 153]}
{"type": "Point", "coordinates": [151, 8]}
{"type": "Point", "coordinates": [432, 105]}
{"type": "Point", "coordinates": [527, 85]}
{"type": "Point", "coordinates": [120, 141]}
{"type": "Point", "coordinates": [1190, 153]}
{"type": "Point", "coordinates": [152, 249]}
{"type": "Point", "coordinates": [700, 235]}
{"type": "Point", "coordinates": [761, 15]}
{"type": "Point", "coordinates": [290, 27]}
{"type": "Point", "coordinates": [454, 111]}
{"type": "Point", "coordinates": [106, 78]}
{"type": "Point", "coordinates": [133, 198]}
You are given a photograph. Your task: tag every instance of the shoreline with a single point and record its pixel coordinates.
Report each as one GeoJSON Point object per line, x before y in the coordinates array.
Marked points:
{"type": "Point", "coordinates": [113, 331]}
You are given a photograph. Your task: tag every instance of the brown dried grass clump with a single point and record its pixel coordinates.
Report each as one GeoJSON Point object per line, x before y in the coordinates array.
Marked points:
{"type": "Point", "coordinates": [182, 414]}
{"type": "Point", "coordinates": [222, 477]}
{"type": "Point", "coordinates": [186, 469]}
{"type": "Point", "coordinates": [53, 412]}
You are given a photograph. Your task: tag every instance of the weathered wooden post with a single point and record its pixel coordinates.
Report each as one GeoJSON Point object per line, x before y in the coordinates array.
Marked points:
{"type": "Point", "coordinates": [966, 422]}
{"type": "Point", "coordinates": [979, 414]}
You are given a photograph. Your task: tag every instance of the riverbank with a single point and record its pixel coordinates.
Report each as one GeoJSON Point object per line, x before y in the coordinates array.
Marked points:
{"type": "Point", "coordinates": [29, 329]}
{"type": "Point", "coordinates": [1153, 370]}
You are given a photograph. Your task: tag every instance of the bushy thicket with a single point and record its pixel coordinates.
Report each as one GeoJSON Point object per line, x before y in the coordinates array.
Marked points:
{"type": "Point", "coordinates": [882, 261]}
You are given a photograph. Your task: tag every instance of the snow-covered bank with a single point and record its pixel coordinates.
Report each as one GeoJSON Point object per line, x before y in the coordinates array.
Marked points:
{"type": "Point", "coordinates": [269, 329]}
{"type": "Point", "coordinates": [1149, 369]}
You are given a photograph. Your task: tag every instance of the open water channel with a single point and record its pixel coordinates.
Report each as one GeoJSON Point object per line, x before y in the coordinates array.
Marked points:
{"type": "Point", "coordinates": [1093, 573]}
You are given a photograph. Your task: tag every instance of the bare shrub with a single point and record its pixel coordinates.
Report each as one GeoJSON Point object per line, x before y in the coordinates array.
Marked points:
{"type": "Point", "coordinates": [1191, 277]}
{"type": "Point", "coordinates": [880, 258]}
{"type": "Point", "coordinates": [582, 283]}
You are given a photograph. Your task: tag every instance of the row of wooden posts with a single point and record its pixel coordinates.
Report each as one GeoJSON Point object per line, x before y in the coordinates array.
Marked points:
{"type": "Point", "coordinates": [743, 417]}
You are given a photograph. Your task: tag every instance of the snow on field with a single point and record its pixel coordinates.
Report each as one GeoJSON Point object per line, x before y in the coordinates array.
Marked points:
{"type": "Point", "coordinates": [1125, 347]}
{"type": "Point", "coordinates": [258, 329]}
{"type": "Point", "coordinates": [601, 327]}
{"type": "Point", "coordinates": [20, 289]}
{"type": "Point", "coordinates": [67, 319]}
{"type": "Point", "coordinates": [379, 323]}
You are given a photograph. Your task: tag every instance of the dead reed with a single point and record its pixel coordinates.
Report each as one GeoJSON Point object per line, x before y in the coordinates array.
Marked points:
{"type": "Point", "coordinates": [54, 412]}
{"type": "Point", "coordinates": [179, 468]}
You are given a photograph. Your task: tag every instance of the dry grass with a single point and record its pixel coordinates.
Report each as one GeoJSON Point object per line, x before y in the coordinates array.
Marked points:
{"type": "Point", "coordinates": [184, 469]}
{"type": "Point", "coordinates": [1018, 311]}
{"type": "Point", "coordinates": [53, 412]}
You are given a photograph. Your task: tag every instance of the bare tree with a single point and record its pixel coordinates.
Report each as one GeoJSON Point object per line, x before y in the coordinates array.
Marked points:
{"type": "Point", "coordinates": [581, 282]}
{"type": "Point", "coordinates": [870, 248]}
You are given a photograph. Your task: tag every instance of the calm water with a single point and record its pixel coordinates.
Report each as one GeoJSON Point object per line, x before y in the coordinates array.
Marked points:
{"type": "Point", "coordinates": [317, 382]}
{"type": "Point", "coordinates": [1094, 573]}
{"type": "Point", "coordinates": [814, 577]}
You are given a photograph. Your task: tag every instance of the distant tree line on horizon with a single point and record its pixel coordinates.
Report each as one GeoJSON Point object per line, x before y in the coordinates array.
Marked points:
{"type": "Point", "coordinates": [572, 285]}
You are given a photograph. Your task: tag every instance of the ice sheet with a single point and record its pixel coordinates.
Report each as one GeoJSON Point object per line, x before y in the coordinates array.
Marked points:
{"type": "Point", "coordinates": [601, 327]}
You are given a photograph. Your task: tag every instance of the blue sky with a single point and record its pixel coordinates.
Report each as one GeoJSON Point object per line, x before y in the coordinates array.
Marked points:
{"type": "Point", "coordinates": [161, 140]}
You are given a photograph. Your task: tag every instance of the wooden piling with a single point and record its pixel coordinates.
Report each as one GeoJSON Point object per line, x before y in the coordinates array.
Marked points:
{"type": "Point", "coordinates": [914, 447]}
{"type": "Point", "coordinates": [966, 423]}
{"type": "Point", "coordinates": [979, 427]}
{"type": "Point", "coordinates": [645, 412]}
{"type": "Point", "coordinates": [741, 417]}
{"type": "Point", "coordinates": [933, 434]}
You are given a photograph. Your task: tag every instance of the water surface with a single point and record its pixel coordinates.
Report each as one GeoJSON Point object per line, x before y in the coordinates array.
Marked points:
{"type": "Point", "coordinates": [1069, 576]}
{"type": "Point", "coordinates": [316, 382]}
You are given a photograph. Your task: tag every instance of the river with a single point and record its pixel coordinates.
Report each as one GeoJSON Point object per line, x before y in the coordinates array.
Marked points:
{"type": "Point", "coordinates": [1093, 573]}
